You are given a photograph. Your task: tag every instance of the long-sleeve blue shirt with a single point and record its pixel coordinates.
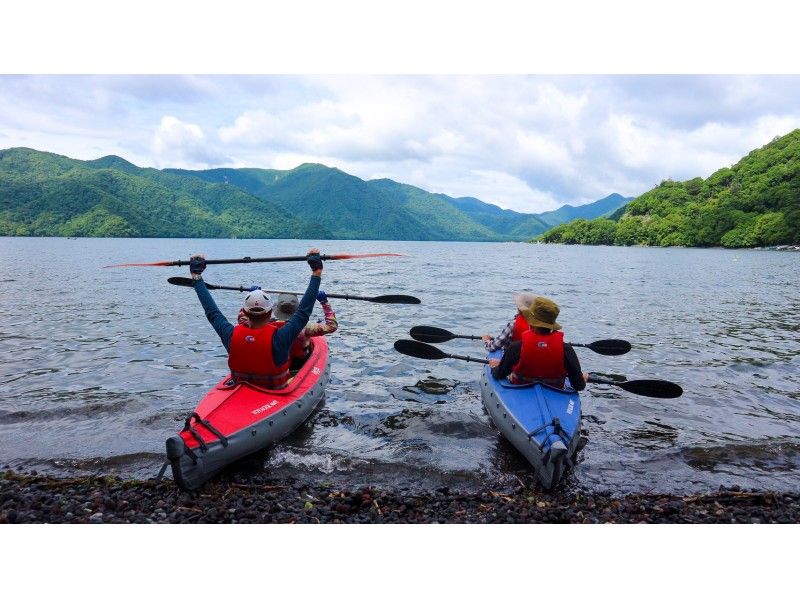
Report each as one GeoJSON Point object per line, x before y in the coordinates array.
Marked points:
{"type": "Point", "coordinates": [283, 337]}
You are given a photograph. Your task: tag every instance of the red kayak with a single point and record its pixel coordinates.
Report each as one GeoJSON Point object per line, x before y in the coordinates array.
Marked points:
{"type": "Point", "coordinates": [235, 420]}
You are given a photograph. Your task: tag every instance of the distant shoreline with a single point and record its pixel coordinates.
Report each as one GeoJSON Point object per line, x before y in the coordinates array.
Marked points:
{"type": "Point", "coordinates": [531, 242]}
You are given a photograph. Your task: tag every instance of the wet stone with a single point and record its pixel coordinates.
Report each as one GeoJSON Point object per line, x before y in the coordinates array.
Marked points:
{"type": "Point", "coordinates": [31, 500]}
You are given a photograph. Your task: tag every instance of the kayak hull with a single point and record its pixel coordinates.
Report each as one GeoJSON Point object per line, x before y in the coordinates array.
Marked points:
{"type": "Point", "coordinates": [235, 420]}
{"type": "Point", "coordinates": [543, 423]}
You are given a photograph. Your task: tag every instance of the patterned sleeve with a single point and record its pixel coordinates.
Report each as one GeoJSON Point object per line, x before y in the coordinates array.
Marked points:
{"type": "Point", "coordinates": [502, 340]}
{"type": "Point", "coordinates": [319, 328]}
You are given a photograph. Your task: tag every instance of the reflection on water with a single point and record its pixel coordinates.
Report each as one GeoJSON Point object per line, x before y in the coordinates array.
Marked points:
{"type": "Point", "coordinates": [99, 366]}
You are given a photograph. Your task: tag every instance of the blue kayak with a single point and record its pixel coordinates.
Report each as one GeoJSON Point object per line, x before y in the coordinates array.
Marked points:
{"type": "Point", "coordinates": [542, 422]}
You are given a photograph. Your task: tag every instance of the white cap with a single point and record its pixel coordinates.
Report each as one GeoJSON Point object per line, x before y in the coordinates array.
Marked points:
{"type": "Point", "coordinates": [257, 302]}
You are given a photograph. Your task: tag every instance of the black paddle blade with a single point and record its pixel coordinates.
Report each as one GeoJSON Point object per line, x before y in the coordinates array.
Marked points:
{"type": "Point", "coordinates": [430, 334]}
{"type": "Point", "coordinates": [660, 389]}
{"type": "Point", "coordinates": [180, 281]}
{"type": "Point", "coordinates": [610, 346]}
{"type": "Point", "coordinates": [397, 299]}
{"type": "Point", "coordinates": [415, 349]}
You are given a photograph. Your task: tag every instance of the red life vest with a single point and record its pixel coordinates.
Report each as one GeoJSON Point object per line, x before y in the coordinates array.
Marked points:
{"type": "Point", "coordinates": [250, 358]}
{"type": "Point", "coordinates": [520, 326]}
{"type": "Point", "coordinates": [299, 349]}
{"type": "Point", "coordinates": [541, 359]}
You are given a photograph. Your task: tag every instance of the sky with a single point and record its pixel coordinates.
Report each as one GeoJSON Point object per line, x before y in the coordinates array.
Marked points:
{"type": "Point", "coordinates": [525, 142]}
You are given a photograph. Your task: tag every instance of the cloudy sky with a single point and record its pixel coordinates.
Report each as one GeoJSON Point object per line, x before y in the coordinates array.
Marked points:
{"type": "Point", "coordinates": [529, 143]}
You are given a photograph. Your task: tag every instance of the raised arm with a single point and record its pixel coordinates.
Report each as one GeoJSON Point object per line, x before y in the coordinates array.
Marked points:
{"type": "Point", "coordinates": [220, 323]}
{"type": "Point", "coordinates": [321, 328]}
{"type": "Point", "coordinates": [284, 336]}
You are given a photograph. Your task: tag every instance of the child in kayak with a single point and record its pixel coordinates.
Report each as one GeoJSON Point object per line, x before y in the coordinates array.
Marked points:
{"type": "Point", "coordinates": [515, 327]}
{"type": "Point", "coordinates": [285, 307]}
{"type": "Point", "coordinates": [258, 353]}
{"type": "Point", "coordinates": [541, 355]}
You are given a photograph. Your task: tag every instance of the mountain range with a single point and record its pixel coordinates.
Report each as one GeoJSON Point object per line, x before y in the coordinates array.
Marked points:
{"type": "Point", "coordinates": [45, 194]}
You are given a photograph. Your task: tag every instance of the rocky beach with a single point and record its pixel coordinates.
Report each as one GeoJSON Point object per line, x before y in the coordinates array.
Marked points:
{"type": "Point", "coordinates": [258, 499]}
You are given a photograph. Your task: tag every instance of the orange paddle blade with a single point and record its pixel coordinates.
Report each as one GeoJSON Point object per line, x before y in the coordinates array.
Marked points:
{"type": "Point", "coordinates": [150, 264]}
{"type": "Point", "coordinates": [348, 256]}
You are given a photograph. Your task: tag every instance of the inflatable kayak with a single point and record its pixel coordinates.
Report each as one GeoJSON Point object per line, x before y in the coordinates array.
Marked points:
{"type": "Point", "coordinates": [235, 420]}
{"type": "Point", "coordinates": [542, 422]}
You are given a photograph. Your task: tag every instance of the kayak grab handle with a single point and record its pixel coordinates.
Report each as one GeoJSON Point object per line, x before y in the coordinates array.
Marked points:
{"type": "Point", "coordinates": [207, 424]}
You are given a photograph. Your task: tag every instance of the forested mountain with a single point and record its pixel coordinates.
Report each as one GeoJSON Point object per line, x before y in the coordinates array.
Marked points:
{"type": "Point", "coordinates": [44, 194]}
{"type": "Point", "coordinates": [393, 210]}
{"type": "Point", "coordinates": [601, 207]}
{"type": "Point", "coordinates": [756, 202]}
{"type": "Point", "coordinates": [351, 207]}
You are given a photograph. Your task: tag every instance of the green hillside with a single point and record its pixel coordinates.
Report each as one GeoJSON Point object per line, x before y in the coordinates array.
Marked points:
{"type": "Point", "coordinates": [380, 208]}
{"type": "Point", "coordinates": [351, 207]}
{"type": "Point", "coordinates": [439, 216]}
{"type": "Point", "coordinates": [43, 194]}
{"type": "Point", "coordinates": [602, 207]}
{"type": "Point", "coordinates": [511, 224]}
{"type": "Point", "coordinates": [754, 203]}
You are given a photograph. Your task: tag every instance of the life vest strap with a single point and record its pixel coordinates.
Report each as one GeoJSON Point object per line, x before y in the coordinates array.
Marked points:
{"type": "Point", "coordinates": [272, 382]}
{"type": "Point", "coordinates": [515, 378]}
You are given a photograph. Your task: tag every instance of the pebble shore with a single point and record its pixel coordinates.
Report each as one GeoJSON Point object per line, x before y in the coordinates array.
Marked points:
{"type": "Point", "coordinates": [39, 499]}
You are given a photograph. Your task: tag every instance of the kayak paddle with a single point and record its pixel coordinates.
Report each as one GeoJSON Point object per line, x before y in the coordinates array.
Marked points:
{"type": "Point", "coordinates": [431, 334]}
{"type": "Point", "coordinates": [256, 260]}
{"type": "Point", "coordinates": [660, 389]}
{"type": "Point", "coordinates": [423, 351]}
{"type": "Point", "coordinates": [396, 299]}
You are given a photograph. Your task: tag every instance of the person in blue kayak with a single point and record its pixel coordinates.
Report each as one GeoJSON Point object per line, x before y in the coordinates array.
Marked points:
{"type": "Point", "coordinates": [541, 355]}
{"type": "Point", "coordinates": [258, 353]}
{"type": "Point", "coordinates": [515, 327]}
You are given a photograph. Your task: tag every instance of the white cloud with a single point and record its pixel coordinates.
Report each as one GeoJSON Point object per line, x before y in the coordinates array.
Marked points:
{"type": "Point", "coordinates": [180, 144]}
{"type": "Point", "coordinates": [528, 143]}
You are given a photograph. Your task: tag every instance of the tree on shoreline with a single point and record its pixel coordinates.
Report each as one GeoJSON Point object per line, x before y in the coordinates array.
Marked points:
{"type": "Point", "coordinates": [755, 203]}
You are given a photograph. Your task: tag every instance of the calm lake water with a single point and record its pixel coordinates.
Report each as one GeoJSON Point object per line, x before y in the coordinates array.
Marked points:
{"type": "Point", "coordinates": [99, 366]}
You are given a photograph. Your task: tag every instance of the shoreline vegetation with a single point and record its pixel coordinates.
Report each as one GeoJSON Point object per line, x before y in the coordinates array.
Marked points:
{"type": "Point", "coordinates": [45, 194]}
{"type": "Point", "coordinates": [257, 499]}
{"type": "Point", "coordinates": [754, 203]}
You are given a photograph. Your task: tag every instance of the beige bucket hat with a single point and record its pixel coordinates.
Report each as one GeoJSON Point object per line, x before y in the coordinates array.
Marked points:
{"type": "Point", "coordinates": [285, 306]}
{"type": "Point", "coordinates": [524, 300]}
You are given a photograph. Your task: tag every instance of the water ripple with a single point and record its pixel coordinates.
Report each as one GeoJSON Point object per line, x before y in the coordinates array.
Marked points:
{"type": "Point", "coordinates": [99, 387]}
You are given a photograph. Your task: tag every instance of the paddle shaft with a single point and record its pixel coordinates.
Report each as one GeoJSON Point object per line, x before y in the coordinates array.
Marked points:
{"type": "Point", "coordinates": [256, 260]}
{"type": "Point", "coordinates": [431, 334]}
{"type": "Point", "coordinates": [398, 299]}
{"type": "Point", "coordinates": [467, 358]}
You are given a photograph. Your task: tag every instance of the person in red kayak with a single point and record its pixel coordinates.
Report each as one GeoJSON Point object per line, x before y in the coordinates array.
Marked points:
{"type": "Point", "coordinates": [541, 355]}
{"type": "Point", "coordinates": [285, 308]}
{"type": "Point", "coordinates": [515, 327]}
{"type": "Point", "coordinates": [258, 353]}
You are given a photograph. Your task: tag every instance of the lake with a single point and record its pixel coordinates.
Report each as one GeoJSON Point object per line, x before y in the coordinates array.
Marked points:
{"type": "Point", "coordinates": [100, 366]}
